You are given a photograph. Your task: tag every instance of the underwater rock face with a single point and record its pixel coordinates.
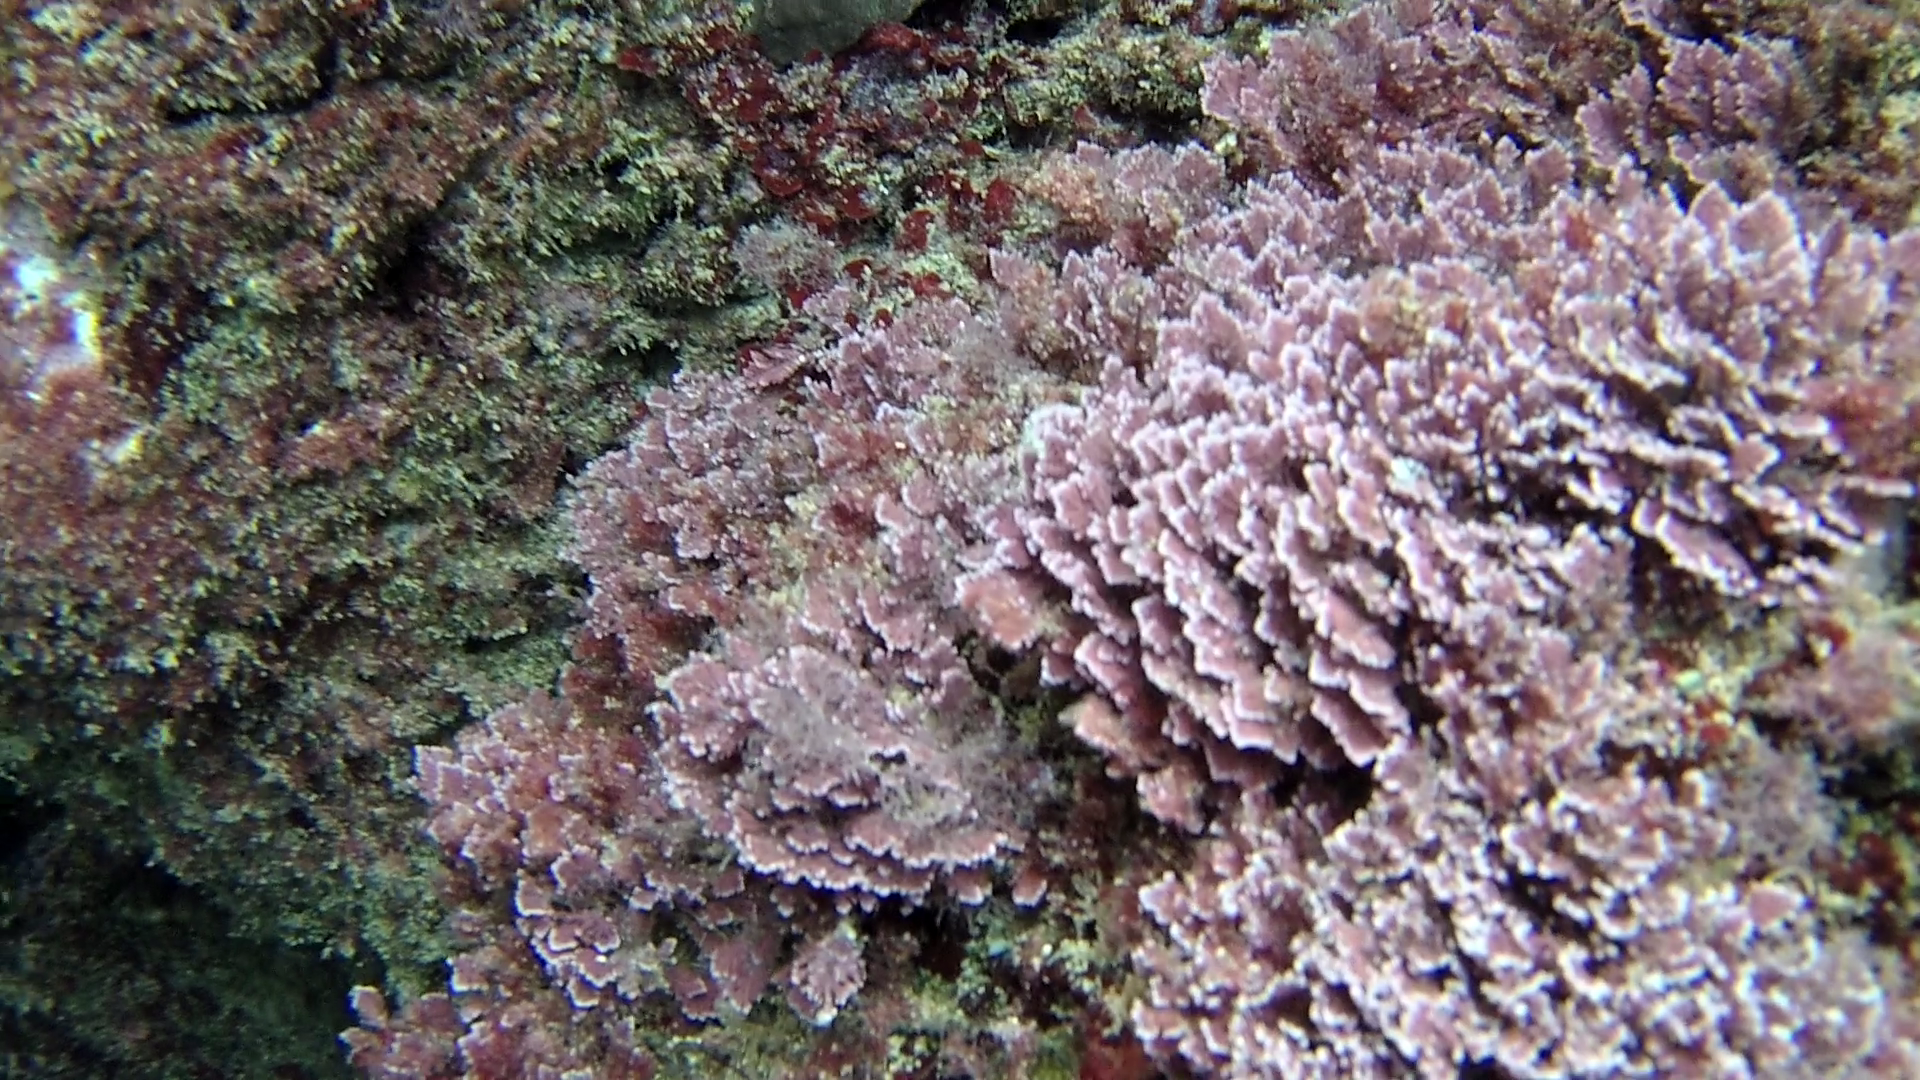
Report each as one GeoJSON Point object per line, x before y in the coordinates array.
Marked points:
{"type": "Point", "coordinates": [789, 29]}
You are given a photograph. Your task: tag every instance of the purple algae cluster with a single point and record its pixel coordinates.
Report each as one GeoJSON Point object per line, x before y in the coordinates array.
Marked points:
{"type": "Point", "coordinates": [1360, 555]}
{"type": "Point", "coordinates": [1388, 464]}
{"type": "Point", "coordinates": [1395, 585]}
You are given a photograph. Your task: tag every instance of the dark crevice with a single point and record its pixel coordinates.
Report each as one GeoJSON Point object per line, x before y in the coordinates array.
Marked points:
{"type": "Point", "coordinates": [1036, 32]}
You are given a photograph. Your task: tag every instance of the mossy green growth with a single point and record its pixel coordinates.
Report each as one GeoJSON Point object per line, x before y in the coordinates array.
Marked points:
{"type": "Point", "coordinates": [109, 968]}
{"type": "Point", "coordinates": [402, 578]}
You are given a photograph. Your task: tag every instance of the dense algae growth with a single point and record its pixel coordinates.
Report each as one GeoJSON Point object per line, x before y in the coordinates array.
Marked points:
{"type": "Point", "coordinates": [976, 540]}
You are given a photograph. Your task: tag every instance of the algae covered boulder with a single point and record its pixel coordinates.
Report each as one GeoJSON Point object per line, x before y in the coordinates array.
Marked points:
{"type": "Point", "coordinates": [789, 29]}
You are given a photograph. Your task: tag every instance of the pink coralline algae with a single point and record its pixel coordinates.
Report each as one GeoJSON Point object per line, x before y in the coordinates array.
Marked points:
{"type": "Point", "coordinates": [1424, 933]}
{"type": "Point", "coordinates": [1770, 100]}
{"type": "Point", "coordinates": [568, 817]}
{"type": "Point", "coordinates": [1317, 468]}
{"type": "Point", "coordinates": [677, 526]}
{"type": "Point", "coordinates": [836, 737]}
{"type": "Point", "coordinates": [614, 899]}
{"type": "Point", "coordinates": [1379, 463]}
{"type": "Point", "coordinates": [825, 975]}
{"type": "Point", "coordinates": [1854, 682]}
{"type": "Point", "coordinates": [804, 764]}
{"type": "Point", "coordinates": [1412, 456]}
{"type": "Point", "coordinates": [773, 730]}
